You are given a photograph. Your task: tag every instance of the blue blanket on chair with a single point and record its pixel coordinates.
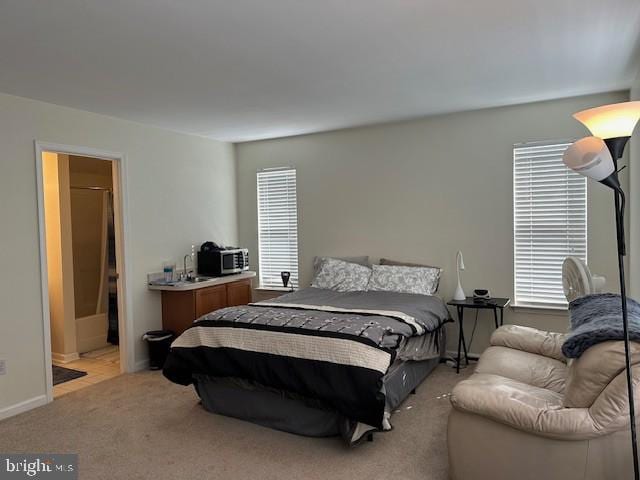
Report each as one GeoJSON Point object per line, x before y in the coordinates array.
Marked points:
{"type": "Point", "coordinates": [598, 318]}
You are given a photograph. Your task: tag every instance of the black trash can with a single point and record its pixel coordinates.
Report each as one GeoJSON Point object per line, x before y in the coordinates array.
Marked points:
{"type": "Point", "coordinates": [159, 342]}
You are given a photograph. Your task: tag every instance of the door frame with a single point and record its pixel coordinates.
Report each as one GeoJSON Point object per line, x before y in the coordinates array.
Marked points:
{"type": "Point", "coordinates": [123, 252]}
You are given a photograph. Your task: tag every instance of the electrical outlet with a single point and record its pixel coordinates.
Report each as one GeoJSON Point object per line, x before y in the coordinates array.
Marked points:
{"type": "Point", "coordinates": [3, 366]}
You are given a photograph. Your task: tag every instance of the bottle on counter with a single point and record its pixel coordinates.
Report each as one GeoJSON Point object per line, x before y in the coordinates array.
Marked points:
{"type": "Point", "coordinates": [169, 269]}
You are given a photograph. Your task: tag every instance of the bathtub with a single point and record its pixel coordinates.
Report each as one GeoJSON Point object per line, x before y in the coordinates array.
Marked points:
{"type": "Point", "coordinates": [91, 332]}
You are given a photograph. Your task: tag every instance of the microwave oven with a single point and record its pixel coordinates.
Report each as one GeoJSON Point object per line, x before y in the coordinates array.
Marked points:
{"type": "Point", "coordinates": [217, 262]}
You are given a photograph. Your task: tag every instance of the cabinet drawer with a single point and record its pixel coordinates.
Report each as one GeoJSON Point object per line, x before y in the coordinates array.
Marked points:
{"type": "Point", "coordinates": [210, 299]}
{"type": "Point", "coordinates": [238, 293]}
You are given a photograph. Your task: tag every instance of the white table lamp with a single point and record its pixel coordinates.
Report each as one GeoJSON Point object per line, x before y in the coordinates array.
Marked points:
{"type": "Point", "coordinates": [459, 295]}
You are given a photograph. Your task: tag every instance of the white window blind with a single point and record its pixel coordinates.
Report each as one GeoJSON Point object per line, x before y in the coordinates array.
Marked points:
{"type": "Point", "coordinates": [277, 226]}
{"type": "Point", "coordinates": [550, 222]}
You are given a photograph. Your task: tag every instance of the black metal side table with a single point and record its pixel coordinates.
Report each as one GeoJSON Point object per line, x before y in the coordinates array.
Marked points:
{"type": "Point", "coordinates": [494, 304]}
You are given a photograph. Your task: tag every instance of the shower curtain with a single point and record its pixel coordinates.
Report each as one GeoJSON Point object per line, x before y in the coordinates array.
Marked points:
{"type": "Point", "coordinates": [109, 268]}
{"type": "Point", "coordinates": [112, 335]}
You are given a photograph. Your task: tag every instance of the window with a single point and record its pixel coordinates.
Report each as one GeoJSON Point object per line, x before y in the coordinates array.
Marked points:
{"type": "Point", "coordinates": [277, 226]}
{"type": "Point", "coordinates": [550, 222]}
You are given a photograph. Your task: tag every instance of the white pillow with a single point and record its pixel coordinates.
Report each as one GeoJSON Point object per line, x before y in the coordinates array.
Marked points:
{"type": "Point", "coordinates": [392, 278]}
{"type": "Point", "coordinates": [342, 276]}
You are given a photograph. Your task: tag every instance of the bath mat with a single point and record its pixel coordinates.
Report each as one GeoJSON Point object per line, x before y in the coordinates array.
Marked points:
{"type": "Point", "coordinates": [61, 374]}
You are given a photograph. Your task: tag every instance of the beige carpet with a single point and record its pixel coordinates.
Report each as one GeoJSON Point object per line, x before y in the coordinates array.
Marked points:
{"type": "Point", "coordinates": [140, 426]}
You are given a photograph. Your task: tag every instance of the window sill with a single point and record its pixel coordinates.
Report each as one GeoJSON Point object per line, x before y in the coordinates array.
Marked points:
{"type": "Point", "coordinates": [276, 289]}
{"type": "Point", "coordinates": [542, 310]}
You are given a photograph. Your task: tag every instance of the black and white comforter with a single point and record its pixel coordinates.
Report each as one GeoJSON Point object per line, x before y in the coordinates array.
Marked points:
{"type": "Point", "coordinates": [316, 343]}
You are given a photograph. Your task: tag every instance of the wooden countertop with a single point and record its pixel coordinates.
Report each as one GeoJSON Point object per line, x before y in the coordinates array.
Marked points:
{"type": "Point", "coordinates": [182, 286]}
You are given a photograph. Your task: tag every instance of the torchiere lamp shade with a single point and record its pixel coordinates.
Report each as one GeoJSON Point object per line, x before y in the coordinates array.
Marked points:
{"type": "Point", "coordinates": [611, 121]}
{"type": "Point", "coordinates": [590, 157]}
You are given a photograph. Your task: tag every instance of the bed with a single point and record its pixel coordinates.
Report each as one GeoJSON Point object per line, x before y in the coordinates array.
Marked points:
{"type": "Point", "coordinates": [315, 362]}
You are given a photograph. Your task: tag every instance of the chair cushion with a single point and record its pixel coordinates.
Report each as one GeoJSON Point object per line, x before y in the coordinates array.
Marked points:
{"type": "Point", "coordinates": [610, 411]}
{"type": "Point", "coordinates": [590, 374]}
{"type": "Point", "coordinates": [524, 367]}
{"type": "Point", "coordinates": [547, 344]}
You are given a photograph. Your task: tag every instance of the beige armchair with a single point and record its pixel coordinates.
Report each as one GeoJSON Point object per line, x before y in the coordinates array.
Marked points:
{"type": "Point", "coordinates": [526, 413]}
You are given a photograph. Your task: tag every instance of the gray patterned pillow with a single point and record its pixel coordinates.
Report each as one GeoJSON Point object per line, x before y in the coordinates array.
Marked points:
{"type": "Point", "coordinates": [386, 261]}
{"type": "Point", "coordinates": [342, 276]}
{"type": "Point", "coordinates": [423, 281]}
{"type": "Point", "coordinates": [360, 260]}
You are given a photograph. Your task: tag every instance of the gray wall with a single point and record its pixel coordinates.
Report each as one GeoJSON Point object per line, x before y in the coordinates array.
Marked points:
{"type": "Point", "coordinates": [176, 185]}
{"type": "Point", "coordinates": [634, 203]}
{"type": "Point", "coordinates": [421, 190]}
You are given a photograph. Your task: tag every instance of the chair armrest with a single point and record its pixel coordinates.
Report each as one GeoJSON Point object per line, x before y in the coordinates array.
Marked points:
{"type": "Point", "coordinates": [539, 342]}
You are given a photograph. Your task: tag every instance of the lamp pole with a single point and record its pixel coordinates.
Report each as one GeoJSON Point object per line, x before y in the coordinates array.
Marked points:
{"type": "Point", "coordinates": [616, 148]}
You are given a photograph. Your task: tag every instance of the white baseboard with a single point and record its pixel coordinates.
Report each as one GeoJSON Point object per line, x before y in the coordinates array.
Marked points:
{"type": "Point", "coordinates": [22, 407]}
{"type": "Point", "coordinates": [64, 357]}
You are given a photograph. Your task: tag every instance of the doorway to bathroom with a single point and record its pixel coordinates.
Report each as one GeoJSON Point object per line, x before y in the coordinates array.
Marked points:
{"type": "Point", "coordinates": [82, 256]}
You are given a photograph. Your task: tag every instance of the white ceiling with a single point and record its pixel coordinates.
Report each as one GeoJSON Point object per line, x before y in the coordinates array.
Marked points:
{"type": "Point", "coordinates": [248, 69]}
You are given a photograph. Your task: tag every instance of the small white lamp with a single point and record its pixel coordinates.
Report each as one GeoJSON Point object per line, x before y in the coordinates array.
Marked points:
{"type": "Point", "coordinates": [459, 295]}
{"type": "Point", "coordinates": [590, 157]}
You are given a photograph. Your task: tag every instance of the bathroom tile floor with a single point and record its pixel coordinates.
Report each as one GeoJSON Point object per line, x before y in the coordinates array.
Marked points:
{"type": "Point", "coordinates": [100, 365]}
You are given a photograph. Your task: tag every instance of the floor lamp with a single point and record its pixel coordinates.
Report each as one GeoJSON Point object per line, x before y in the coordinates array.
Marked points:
{"type": "Point", "coordinates": [597, 158]}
